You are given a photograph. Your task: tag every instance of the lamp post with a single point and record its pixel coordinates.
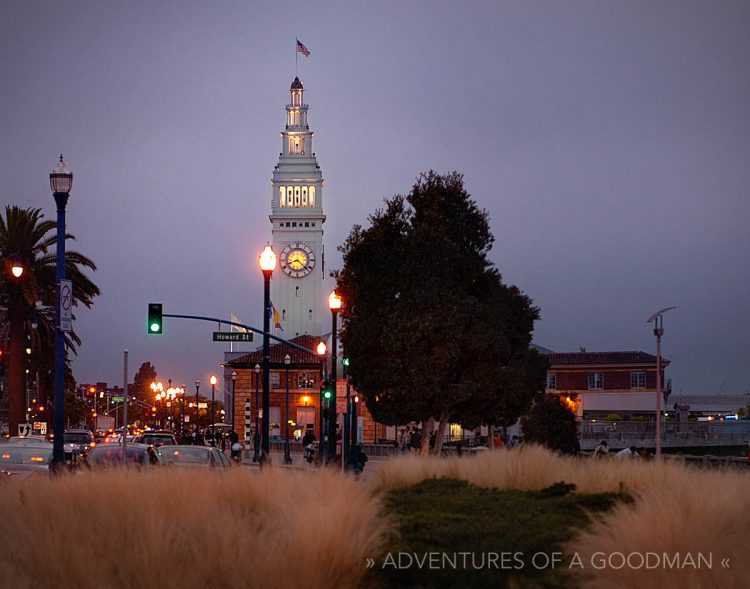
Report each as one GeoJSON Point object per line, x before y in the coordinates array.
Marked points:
{"type": "Point", "coordinates": [182, 413]}
{"type": "Point", "coordinates": [267, 263]}
{"type": "Point", "coordinates": [212, 380]}
{"type": "Point", "coordinates": [197, 415]}
{"type": "Point", "coordinates": [346, 441]}
{"type": "Point", "coordinates": [158, 389]}
{"type": "Point", "coordinates": [321, 349]}
{"type": "Point", "coordinates": [657, 319]}
{"type": "Point", "coordinates": [17, 402]}
{"type": "Point", "coordinates": [334, 304]}
{"type": "Point", "coordinates": [61, 180]}
{"type": "Point", "coordinates": [231, 411]}
{"type": "Point", "coordinates": [256, 435]}
{"type": "Point", "coordinates": [287, 455]}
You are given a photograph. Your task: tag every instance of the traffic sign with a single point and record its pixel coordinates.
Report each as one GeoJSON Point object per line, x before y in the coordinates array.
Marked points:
{"type": "Point", "coordinates": [24, 429]}
{"type": "Point", "coordinates": [233, 336]}
{"type": "Point", "coordinates": [66, 302]}
{"type": "Point", "coordinates": [118, 399]}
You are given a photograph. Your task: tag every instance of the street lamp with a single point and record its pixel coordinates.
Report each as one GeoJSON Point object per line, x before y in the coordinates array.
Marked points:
{"type": "Point", "coordinates": [158, 389]}
{"type": "Point", "coordinates": [334, 304]}
{"type": "Point", "coordinates": [657, 319]}
{"type": "Point", "coordinates": [267, 263]}
{"type": "Point", "coordinates": [321, 349]}
{"type": "Point", "coordinates": [212, 380]}
{"type": "Point", "coordinates": [197, 414]}
{"type": "Point", "coordinates": [60, 180]}
{"type": "Point", "coordinates": [256, 435]}
{"type": "Point", "coordinates": [16, 318]}
{"type": "Point", "coordinates": [287, 456]}
{"type": "Point", "coordinates": [231, 411]}
{"type": "Point", "coordinates": [182, 413]}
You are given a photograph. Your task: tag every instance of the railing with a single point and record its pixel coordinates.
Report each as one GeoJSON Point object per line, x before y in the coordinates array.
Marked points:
{"type": "Point", "coordinates": [729, 431]}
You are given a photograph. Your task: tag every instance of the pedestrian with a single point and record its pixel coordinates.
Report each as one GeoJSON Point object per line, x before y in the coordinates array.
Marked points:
{"type": "Point", "coordinates": [233, 437]}
{"type": "Point", "coordinates": [308, 438]}
{"type": "Point", "coordinates": [403, 446]}
{"type": "Point", "coordinates": [498, 440]}
{"type": "Point", "coordinates": [359, 459]}
{"type": "Point", "coordinates": [513, 443]}
{"type": "Point", "coordinates": [601, 450]}
{"type": "Point", "coordinates": [627, 453]}
{"type": "Point", "coordinates": [416, 440]}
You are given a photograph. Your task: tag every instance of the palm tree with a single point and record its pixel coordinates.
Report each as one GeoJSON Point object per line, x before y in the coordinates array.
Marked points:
{"type": "Point", "coordinates": [25, 235]}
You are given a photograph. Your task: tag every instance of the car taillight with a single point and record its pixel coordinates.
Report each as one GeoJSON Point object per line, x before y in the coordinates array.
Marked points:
{"type": "Point", "coordinates": [92, 444]}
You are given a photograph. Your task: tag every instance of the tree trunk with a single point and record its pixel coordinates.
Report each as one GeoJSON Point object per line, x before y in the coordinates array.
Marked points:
{"type": "Point", "coordinates": [16, 349]}
{"type": "Point", "coordinates": [440, 434]}
{"type": "Point", "coordinates": [427, 427]}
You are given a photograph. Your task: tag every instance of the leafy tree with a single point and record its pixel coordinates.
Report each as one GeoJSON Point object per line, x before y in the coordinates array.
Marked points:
{"type": "Point", "coordinates": [76, 409]}
{"type": "Point", "coordinates": [431, 331]}
{"type": "Point", "coordinates": [550, 423]}
{"type": "Point", "coordinates": [24, 233]}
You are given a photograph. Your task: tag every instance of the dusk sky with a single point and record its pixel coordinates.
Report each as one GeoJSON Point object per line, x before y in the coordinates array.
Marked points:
{"type": "Point", "coordinates": [609, 142]}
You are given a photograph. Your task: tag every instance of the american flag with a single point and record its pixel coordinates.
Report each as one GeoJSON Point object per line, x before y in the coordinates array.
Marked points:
{"type": "Point", "coordinates": [302, 49]}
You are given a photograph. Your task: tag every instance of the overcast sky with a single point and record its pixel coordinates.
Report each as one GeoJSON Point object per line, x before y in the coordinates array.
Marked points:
{"type": "Point", "coordinates": [609, 141]}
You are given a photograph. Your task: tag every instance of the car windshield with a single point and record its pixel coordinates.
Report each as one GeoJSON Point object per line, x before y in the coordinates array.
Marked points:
{"type": "Point", "coordinates": [25, 455]}
{"type": "Point", "coordinates": [77, 438]}
{"type": "Point", "coordinates": [186, 455]}
{"type": "Point", "coordinates": [110, 455]}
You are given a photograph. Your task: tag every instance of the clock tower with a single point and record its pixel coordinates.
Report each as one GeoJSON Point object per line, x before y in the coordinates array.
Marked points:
{"type": "Point", "coordinates": [297, 225]}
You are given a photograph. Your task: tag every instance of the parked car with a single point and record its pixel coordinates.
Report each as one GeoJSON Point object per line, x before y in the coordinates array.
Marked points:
{"type": "Point", "coordinates": [195, 456]}
{"type": "Point", "coordinates": [109, 455]}
{"type": "Point", "coordinates": [156, 438]}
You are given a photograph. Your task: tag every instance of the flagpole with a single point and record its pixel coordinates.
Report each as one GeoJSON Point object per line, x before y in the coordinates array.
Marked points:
{"type": "Point", "coordinates": [296, 73]}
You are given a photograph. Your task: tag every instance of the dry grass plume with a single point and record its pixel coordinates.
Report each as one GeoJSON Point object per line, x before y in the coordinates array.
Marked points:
{"type": "Point", "coordinates": [185, 528]}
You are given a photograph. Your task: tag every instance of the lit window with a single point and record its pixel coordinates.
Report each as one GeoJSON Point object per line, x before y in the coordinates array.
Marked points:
{"type": "Point", "coordinates": [304, 196]}
{"type": "Point", "coordinates": [312, 196]}
{"type": "Point", "coordinates": [305, 380]}
{"type": "Point", "coordinates": [596, 380]}
{"type": "Point", "coordinates": [275, 380]}
{"type": "Point", "coordinates": [296, 196]}
{"type": "Point", "coordinates": [551, 382]}
{"type": "Point", "coordinates": [282, 196]}
{"type": "Point", "coordinates": [637, 380]}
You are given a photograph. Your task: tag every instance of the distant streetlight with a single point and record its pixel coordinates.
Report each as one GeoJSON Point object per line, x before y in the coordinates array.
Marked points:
{"type": "Point", "coordinates": [287, 455]}
{"type": "Point", "coordinates": [321, 349]}
{"type": "Point", "coordinates": [213, 381]}
{"type": "Point", "coordinates": [256, 435]}
{"type": "Point", "coordinates": [197, 415]}
{"type": "Point", "coordinates": [60, 180]}
{"type": "Point", "coordinates": [657, 319]}
{"type": "Point", "coordinates": [334, 304]}
{"type": "Point", "coordinates": [267, 263]}
{"type": "Point", "coordinates": [231, 411]}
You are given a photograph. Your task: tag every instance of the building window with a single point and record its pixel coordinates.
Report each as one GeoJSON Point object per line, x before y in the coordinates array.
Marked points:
{"type": "Point", "coordinates": [551, 381]}
{"type": "Point", "coordinates": [306, 380]}
{"type": "Point", "coordinates": [312, 196]}
{"type": "Point", "coordinates": [304, 196]}
{"type": "Point", "coordinates": [296, 196]}
{"type": "Point", "coordinates": [596, 380]}
{"type": "Point", "coordinates": [637, 380]}
{"type": "Point", "coordinates": [282, 196]}
{"type": "Point", "coordinates": [275, 380]}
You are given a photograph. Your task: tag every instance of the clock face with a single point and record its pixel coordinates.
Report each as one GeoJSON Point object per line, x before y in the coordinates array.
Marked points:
{"type": "Point", "coordinates": [297, 260]}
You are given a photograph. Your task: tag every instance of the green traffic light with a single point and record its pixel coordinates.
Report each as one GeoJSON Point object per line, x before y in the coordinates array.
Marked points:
{"type": "Point", "coordinates": [327, 394]}
{"type": "Point", "coordinates": [154, 317]}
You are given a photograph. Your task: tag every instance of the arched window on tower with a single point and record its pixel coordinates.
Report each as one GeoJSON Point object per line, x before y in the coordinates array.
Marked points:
{"type": "Point", "coordinates": [296, 196]}
{"type": "Point", "coordinates": [304, 196]}
{"type": "Point", "coordinates": [282, 196]}
{"type": "Point", "coordinates": [312, 196]}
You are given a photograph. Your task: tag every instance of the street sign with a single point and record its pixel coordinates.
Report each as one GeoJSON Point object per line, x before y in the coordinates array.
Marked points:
{"type": "Point", "coordinates": [233, 336]}
{"type": "Point", "coordinates": [202, 405]}
{"type": "Point", "coordinates": [24, 429]}
{"type": "Point", "coordinates": [41, 427]}
{"type": "Point", "coordinates": [66, 305]}
{"type": "Point", "coordinates": [118, 399]}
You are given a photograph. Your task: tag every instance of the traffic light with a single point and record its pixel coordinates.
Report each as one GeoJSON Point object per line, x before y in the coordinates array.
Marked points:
{"type": "Point", "coordinates": [326, 390]}
{"type": "Point", "coordinates": [154, 318]}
